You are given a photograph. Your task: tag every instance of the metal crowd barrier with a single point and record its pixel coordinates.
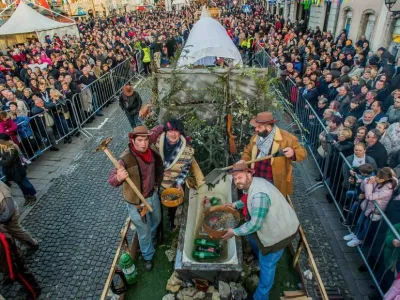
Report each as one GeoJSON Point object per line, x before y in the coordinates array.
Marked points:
{"type": "Point", "coordinates": [377, 230]}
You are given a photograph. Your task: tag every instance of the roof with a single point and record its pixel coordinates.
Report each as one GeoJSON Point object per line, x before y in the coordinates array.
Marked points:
{"type": "Point", "coordinates": [25, 19]}
{"type": "Point", "coordinates": [208, 39]}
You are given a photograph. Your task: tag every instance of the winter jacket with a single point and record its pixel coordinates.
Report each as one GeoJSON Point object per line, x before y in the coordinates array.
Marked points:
{"type": "Point", "coordinates": [24, 130]}
{"type": "Point", "coordinates": [372, 192]}
{"type": "Point", "coordinates": [10, 128]}
{"type": "Point", "coordinates": [131, 104]}
{"type": "Point", "coordinates": [281, 166]}
{"type": "Point", "coordinates": [378, 153]}
{"type": "Point", "coordinates": [393, 114]}
{"type": "Point", "coordinates": [12, 167]}
{"type": "Point", "coordinates": [393, 133]}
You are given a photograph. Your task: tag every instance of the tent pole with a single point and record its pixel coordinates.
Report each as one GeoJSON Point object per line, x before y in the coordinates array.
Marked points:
{"type": "Point", "coordinates": [7, 8]}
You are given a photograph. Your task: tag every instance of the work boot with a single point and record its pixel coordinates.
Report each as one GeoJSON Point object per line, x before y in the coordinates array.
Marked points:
{"type": "Point", "coordinates": [27, 201]}
{"type": "Point", "coordinates": [148, 265]}
{"type": "Point", "coordinates": [32, 200]}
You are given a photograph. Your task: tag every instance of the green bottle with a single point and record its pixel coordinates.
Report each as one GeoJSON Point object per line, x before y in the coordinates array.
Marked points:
{"type": "Point", "coordinates": [207, 243]}
{"type": "Point", "coordinates": [214, 201]}
{"type": "Point", "coordinates": [207, 249]}
{"type": "Point", "coordinates": [128, 268]}
{"type": "Point", "coordinates": [205, 255]}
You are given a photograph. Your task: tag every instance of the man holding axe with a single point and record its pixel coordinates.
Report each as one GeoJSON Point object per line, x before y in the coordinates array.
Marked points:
{"type": "Point", "coordinates": [269, 139]}
{"type": "Point", "coordinates": [142, 165]}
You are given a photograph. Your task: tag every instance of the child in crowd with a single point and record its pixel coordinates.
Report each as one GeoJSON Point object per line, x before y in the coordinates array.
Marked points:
{"type": "Point", "coordinates": [359, 174]}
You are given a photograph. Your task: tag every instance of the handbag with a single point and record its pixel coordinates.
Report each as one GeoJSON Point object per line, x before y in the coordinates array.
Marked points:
{"type": "Point", "coordinates": [49, 121]}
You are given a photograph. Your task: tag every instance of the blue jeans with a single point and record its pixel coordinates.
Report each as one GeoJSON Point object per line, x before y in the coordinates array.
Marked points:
{"type": "Point", "coordinates": [134, 120]}
{"type": "Point", "coordinates": [146, 231]}
{"type": "Point", "coordinates": [362, 226]}
{"type": "Point", "coordinates": [26, 187]}
{"type": "Point", "coordinates": [267, 270]}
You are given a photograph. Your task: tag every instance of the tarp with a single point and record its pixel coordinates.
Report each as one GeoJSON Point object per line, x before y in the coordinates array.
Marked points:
{"type": "Point", "coordinates": [208, 38]}
{"type": "Point", "coordinates": [25, 19]}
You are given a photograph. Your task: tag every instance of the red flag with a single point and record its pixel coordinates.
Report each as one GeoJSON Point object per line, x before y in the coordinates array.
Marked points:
{"type": "Point", "coordinates": [44, 4]}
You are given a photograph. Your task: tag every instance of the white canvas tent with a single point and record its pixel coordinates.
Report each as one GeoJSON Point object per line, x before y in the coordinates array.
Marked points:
{"type": "Point", "coordinates": [207, 40]}
{"type": "Point", "coordinates": [25, 20]}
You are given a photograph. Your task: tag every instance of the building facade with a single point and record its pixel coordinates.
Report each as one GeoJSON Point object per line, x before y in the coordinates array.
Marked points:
{"type": "Point", "coordinates": [358, 17]}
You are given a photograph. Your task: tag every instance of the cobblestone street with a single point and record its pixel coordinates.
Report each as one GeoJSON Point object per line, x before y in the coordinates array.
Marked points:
{"type": "Point", "coordinates": [77, 222]}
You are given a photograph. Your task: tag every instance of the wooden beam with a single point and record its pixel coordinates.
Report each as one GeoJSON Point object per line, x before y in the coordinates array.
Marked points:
{"type": "Point", "coordinates": [116, 258]}
{"type": "Point", "coordinates": [292, 294]}
{"type": "Point", "coordinates": [314, 268]}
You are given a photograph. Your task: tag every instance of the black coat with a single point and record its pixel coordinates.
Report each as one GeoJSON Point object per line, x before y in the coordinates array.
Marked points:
{"type": "Point", "coordinates": [12, 167]}
{"type": "Point", "coordinates": [379, 154]}
{"type": "Point", "coordinates": [131, 104]}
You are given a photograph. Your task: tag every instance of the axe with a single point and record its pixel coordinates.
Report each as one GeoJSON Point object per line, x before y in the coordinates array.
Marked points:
{"type": "Point", "coordinates": [104, 147]}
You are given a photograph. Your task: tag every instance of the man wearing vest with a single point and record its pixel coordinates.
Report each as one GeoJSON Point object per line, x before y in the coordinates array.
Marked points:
{"type": "Point", "coordinates": [271, 224]}
{"type": "Point", "coordinates": [269, 139]}
{"type": "Point", "coordinates": [146, 59]}
{"type": "Point", "coordinates": [176, 154]}
{"type": "Point", "coordinates": [144, 166]}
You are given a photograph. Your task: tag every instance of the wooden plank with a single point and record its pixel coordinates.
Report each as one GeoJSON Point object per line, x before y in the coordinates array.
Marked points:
{"type": "Point", "coordinates": [297, 293]}
{"type": "Point", "coordinates": [298, 252]}
{"type": "Point", "coordinates": [311, 259]}
{"type": "Point", "coordinates": [115, 261]}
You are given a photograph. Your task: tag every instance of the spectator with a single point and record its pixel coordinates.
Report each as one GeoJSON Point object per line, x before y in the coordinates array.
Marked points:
{"type": "Point", "coordinates": [344, 77]}
{"type": "Point", "coordinates": [8, 127]}
{"type": "Point", "coordinates": [375, 149]}
{"type": "Point", "coordinates": [393, 134]}
{"type": "Point", "coordinates": [380, 116]}
{"type": "Point", "coordinates": [367, 120]}
{"type": "Point", "coordinates": [385, 141]}
{"type": "Point", "coordinates": [350, 123]}
{"type": "Point", "coordinates": [381, 91]}
{"type": "Point", "coordinates": [28, 144]}
{"type": "Point", "coordinates": [328, 113]}
{"type": "Point", "coordinates": [377, 189]}
{"type": "Point", "coordinates": [393, 112]}
{"type": "Point", "coordinates": [344, 100]}
{"type": "Point", "coordinates": [344, 143]}
{"type": "Point", "coordinates": [366, 79]}
{"type": "Point", "coordinates": [60, 112]}
{"type": "Point", "coordinates": [44, 122]}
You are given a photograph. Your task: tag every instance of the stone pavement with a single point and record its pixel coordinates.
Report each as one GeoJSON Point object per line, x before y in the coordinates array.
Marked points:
{"type": "Point", "coordinates": [337, 263]}
{"type": "Point", "coordinates": [78, 218]}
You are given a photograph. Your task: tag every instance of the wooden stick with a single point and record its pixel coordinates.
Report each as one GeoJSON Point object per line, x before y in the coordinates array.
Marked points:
{"type": "Point", "coordinates": [128, 180]}
{"type": "Point", "coordinates": [115, 261]}
{"type": "Point", "coordinates": [249, 162]}
{"type": "Point", "coordinates": [314, 268]}
{"type": "Point", "coordinates": [298, 252]}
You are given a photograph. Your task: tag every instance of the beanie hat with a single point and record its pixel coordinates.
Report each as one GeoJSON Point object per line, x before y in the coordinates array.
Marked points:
{"type": "Point", "coordinates": [174, 124]}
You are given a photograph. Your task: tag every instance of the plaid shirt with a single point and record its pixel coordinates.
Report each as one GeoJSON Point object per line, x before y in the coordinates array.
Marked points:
{"type": "Point", "coordinates": [260, 205]}
{"type": "Point", "coordinates": [263, 169]}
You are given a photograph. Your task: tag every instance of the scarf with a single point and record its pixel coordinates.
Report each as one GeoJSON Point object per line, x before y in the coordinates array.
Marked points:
{"type": "Point", "coordinates": [146, 156]}
{"type": "Point", "coordinates": [265, 144]}
{"type": "Point", "coordinates": [358, 161]}
{"type": "Point", "coordinates": [170, 148]}
{"type": "Point", "coordinates": [244, 200]}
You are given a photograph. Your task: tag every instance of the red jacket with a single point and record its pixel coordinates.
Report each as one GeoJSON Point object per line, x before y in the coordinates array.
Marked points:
{"type": "Point", "coordinates": [10, 128]}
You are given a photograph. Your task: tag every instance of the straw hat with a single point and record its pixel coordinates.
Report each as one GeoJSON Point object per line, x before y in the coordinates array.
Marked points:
{"type": "Point", "coordinates": [265, 117]}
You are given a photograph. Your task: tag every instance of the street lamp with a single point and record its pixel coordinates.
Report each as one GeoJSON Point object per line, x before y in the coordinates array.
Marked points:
{"type": "Point", "coordinates": [389, 4]}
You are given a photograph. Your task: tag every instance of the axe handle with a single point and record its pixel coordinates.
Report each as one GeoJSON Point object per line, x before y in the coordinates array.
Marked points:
{"type": "Point", "coordinates": [249, 162]}
{"type": "Point", "coordinates": [128, 180]}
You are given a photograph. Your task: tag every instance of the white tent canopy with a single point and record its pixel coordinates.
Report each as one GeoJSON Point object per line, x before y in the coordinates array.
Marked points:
{"type": "Point", "coordinates": [207, 40]}
{"type": "Point", "coordinates": [25, 20]}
